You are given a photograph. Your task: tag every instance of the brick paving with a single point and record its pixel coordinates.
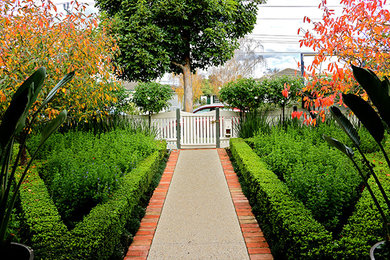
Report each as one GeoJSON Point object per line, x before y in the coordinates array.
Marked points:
{"type": "Point", "coordinates": [255, 241]}
{"type": "Point", "coordinates": [254, 238]}
{"type": "Point", "coordinates": [139, 248]}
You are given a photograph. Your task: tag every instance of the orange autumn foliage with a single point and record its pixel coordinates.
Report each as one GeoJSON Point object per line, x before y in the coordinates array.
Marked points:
{"type": "Point", "coordinates": [359, 36]}
{"type": "Point", "coordinates": [34, 34]}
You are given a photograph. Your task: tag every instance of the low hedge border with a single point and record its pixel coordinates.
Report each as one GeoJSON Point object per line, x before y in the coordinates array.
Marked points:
{"type": "Point", "coordinates": [41, 217]}
{"type": "Point", "coordinates": [288, 225]}
{"type": "Point", "coordinates": [365, 227]}
{"type": "Point", "coordinates": [97, 235]}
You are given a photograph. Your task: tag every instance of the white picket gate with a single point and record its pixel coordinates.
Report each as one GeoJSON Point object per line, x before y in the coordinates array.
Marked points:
{"type": "Point", "coordinates": [196, 130]}
{"type": "Point", "coordinates": [199, 130]}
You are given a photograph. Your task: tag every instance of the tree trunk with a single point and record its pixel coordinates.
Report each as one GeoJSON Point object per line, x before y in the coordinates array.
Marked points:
{"type": "Point", "coordinates": [150, 119]}
{"type": "Point", "coordinates": [23, 157]}
{"type": "Point", "coordinates": [187, 86]}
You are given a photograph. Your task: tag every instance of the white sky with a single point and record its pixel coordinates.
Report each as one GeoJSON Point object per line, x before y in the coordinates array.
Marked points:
{"type": "Point", "coordinates": [277, 27]}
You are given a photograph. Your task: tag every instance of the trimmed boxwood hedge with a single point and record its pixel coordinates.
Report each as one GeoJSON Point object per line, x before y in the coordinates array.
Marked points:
{"type": "Point", "coordinates": [42, 219]}
{"type": "Point", "coordinates": [364, 227]}
{"type": "Point", "coordinates": [289, 227]}
{"type": "Point", "coordinates": [97, 235]}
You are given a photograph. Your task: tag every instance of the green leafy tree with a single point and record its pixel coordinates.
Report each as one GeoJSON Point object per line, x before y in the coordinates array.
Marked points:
{"type": "Point", "coordinates": [177, 35]}
{"type": "Point", "coordinates": [152, 97]}
{"type": "Point", "coordinates": [244, 94]}
{"type": "Point", "coordinates": [207, 89]}
{"type": "Point", "coordinates": [281, 90]}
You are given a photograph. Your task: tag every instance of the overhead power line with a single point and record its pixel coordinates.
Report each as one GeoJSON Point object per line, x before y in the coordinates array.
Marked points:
{"type": "Point", "coordinates": [280, 42]}
{"type": "Point", "coordinates": [304, 6]}
{"type": "Point", "coordinates": [286, 18]}
{"type": "Point", "coordinates": [300, 6]}
{"type": "Point", "coordinates": [278, 52]}
{"type": "Point", "coordinates": [275, 35]}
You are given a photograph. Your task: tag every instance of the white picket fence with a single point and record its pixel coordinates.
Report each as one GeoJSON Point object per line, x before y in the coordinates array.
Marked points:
{"type": "Point", "coordinates": [196, 130]}
{"type": "Point", "coordinates": [200, 130]}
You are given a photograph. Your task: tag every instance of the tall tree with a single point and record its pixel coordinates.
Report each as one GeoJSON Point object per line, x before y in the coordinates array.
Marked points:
{"type": "Point", "coordinates": [197, 81]}
{"type": "Point", "coordinates": [360, 35]}
{"type": "Point", "coordinates": [177, 35]}
{"type": "Point", "coordinates": [34, 34]}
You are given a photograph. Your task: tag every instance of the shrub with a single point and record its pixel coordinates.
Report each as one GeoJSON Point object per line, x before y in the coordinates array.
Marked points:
{"type": "Point", "coordinates": [41, 218]}
{"type": "Point", "coordinates": [368, 144]}
{"type": "Point", "coordinates": [97, 235]}
{"type": "Point", "coordinates": [87, 170]}
{"type": "Point", "coordinates": [244, 94]}
{"type": "Point", "coordinates": [365, 227]}
{"type": "Point", "coordinates": [252, 123]}
{"type": "Point", "coordinates": [289, 227]}
{"type": "Point", "coordinates": [324, 180]}
{"type": "Point", "coordinates": [55, 142]}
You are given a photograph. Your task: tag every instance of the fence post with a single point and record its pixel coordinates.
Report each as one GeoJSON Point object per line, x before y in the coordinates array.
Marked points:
{"type": "Point", "coordinates": [217, 128]}
{"type": "Point", "coordinates": [178, 129]}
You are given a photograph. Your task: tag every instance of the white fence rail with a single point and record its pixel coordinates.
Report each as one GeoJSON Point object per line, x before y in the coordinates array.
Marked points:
{"type": "Point", "coordinates": [188, 130]}
{"type": "Point", "coordinates": [196, 130]}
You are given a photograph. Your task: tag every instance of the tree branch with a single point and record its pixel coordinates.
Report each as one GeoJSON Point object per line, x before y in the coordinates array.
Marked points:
{"type": "Point", "coordinates": [178, 64]}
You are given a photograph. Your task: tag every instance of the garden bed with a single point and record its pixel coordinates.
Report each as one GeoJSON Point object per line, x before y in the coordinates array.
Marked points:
{"type": "Point", "coordinates": [322, 178]}
{"type": "Point", "coordinates": [290, 226]}
{"type": "Point", "coordinates": [100, 231]}
{"type": "Point", "coordinates": [82, 170]}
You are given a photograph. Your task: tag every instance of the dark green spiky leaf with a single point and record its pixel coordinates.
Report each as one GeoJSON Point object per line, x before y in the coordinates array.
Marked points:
{"type": "Point", "coordinates": [345, 125]}
{"type": "Point", "coordinates": [22, 120]}
{"type": "Point", "coordinates": [386, 85]}
{"type": "Point", "coordinates": [61, 83]}
{"type": "Point", "coordinates": [366, 115]}
{"type": "Point", "coordinates": [377, 90]}
{"type": "Point", "coordinates": [52, 126]}
{"type": "Point", "coordinates": [339, 145]}
{"type": "Point", "coordinates": [14, 117]}
{"type": "Point", "coordinates": [37, 78]}
{"type": "Point", "coordinates": [366, 78]}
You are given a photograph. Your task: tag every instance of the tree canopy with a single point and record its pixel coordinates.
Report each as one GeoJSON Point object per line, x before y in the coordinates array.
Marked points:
{"type": "Point", "coordinates": [359, 36]}
{"type": "Point", "coordinates": [152, 97]}
{"type": "Point", "coordinates": [34, 34]}
{"type": "Point", "coordinates": [281, 90]}
{"type": "Point", "coordinates": [244, 94]}
{"type": "Point", "coordinates": [177, 36]}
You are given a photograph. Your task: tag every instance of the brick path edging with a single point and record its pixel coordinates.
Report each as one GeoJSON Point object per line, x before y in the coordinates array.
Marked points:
{"type": "Point", "coordinates": [139, 248]}
{"type": "Point", "coordinates": [254, 238]}
{"type": "Point", "coordinates": [255, 241]}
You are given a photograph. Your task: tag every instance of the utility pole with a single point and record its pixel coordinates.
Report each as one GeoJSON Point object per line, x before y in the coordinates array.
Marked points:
{"type": "Point", "coordinates": [303, 54]}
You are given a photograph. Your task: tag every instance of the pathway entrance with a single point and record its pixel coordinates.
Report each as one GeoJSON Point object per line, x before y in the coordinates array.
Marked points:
{"type": "Point", "coordinates": [203, 215]}
{"type": "Point", "coordinates": [183, 130]}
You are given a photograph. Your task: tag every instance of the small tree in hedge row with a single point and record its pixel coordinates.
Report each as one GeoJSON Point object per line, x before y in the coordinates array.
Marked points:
{"type": "Point", "coordinates": [281, 90]}
{"type": "Point", "coordinates": [244, 94]}
{"type": "Point", "coordinates": [152, 97]}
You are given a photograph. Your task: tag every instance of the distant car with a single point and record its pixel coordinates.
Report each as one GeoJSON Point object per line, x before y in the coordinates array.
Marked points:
{"type": "Point", "coordinates": [212, 107]}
